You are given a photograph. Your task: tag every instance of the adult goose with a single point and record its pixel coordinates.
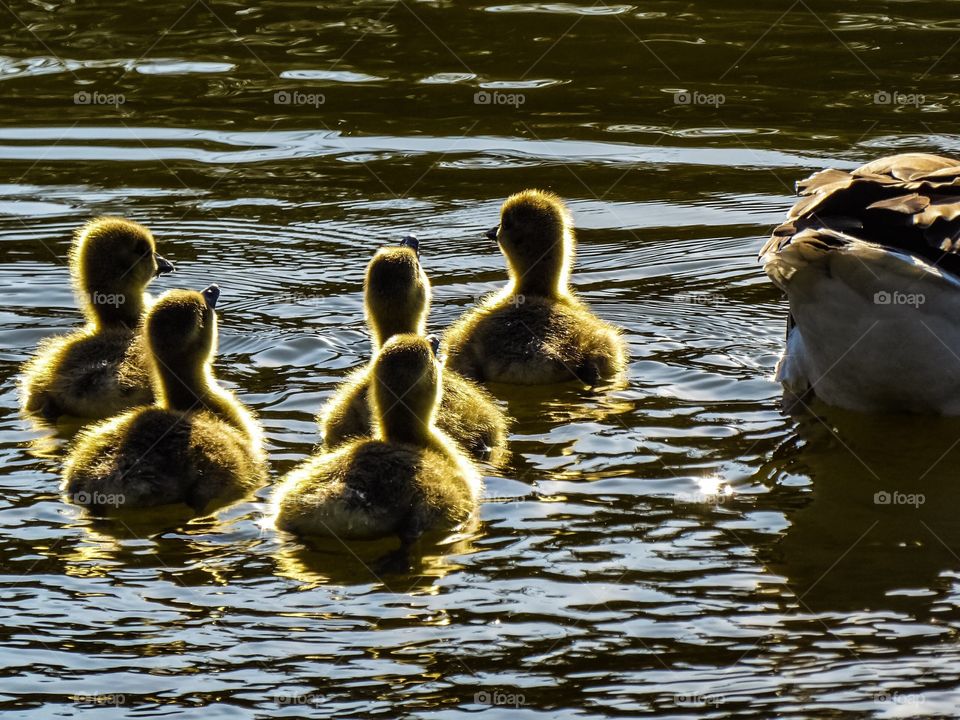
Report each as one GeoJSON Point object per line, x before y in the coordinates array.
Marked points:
{"type": "Point", "coordinates": [870, 262]}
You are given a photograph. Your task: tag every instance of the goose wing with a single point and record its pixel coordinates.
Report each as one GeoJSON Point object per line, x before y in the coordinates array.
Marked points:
{"type": "Point", "coordinates": [908, 202]}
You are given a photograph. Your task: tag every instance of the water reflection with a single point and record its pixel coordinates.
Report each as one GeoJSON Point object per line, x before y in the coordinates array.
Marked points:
{"type": "Point", "coordinates": [878, 531]}
{"type": "Point", "coordinates": [323, 562]}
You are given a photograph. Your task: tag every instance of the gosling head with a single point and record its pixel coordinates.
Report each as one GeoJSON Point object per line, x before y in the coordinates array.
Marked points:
{"type": "Point", "coordinates": [181, 335]}
{"type": "Point", "coordinates": [406, 385]}
{"type": "Point", "coordinates": [396, 292]}
{"type": "Point", "coordinates": [113, 260]}
{"type": "Point", "coordinates": [536, 237]}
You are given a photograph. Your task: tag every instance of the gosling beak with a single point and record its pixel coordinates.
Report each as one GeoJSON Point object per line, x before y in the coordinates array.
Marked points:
{"type": "Point", "coordinates": [492, 233]}
{"type": "Point", "coordinates": [164, 266]}
{"type": "Point", "coordinates": [411, 242]}
{"type": "Point", "coordinates": [211, 295]}
{"type": "Point", "coordinates": [434, 344]}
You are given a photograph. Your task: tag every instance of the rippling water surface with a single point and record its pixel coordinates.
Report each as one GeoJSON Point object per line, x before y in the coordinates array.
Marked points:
{"type": "Point", "coordinates": [682, 547]}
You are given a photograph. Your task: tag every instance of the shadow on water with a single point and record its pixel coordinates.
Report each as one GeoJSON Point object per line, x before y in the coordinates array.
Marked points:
{"type": "Point", "coordinates": [880, 530]}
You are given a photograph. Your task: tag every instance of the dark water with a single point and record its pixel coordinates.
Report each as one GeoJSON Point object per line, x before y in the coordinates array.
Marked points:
{"type": "Point", "coordinates": [679, 548]}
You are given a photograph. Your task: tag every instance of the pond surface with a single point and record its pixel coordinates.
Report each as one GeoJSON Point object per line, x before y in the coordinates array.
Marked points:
{"type": "Point", "coordinates": [682, 547]}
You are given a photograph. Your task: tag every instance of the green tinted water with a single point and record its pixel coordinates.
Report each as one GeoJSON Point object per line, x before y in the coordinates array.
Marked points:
{"type": "Point", "coordinates": [679, 548]}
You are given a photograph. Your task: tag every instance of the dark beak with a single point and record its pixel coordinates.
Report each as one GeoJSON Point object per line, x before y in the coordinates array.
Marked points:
{"type": "Point", "coordinates": [411, 242]}
{"type": "Point", "coordinates": [434, 345]}
{"type": "Point", "coordinates": [211, 295]}
{"type": "Point", "coordinates": [164, 266]}
{"type": "Point", "coordinates": [492, 233]}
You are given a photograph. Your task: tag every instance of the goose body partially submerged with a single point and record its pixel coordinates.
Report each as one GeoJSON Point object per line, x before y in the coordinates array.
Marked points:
{"type": "Point", "coordinates": [870, 262]}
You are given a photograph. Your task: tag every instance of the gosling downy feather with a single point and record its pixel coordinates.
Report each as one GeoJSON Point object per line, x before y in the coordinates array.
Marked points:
{"type": "Point", "coordinates": [196, 445]}
{"type": "Point", "coordinates": [536, 330]}
{"type": "Point", "coordinates": [99, 370]}
{"type": "Point", "coordinates": [870, 262]}
{"type": "Point", "coordinates": [410, 478]}
{"type": "Point", "coordinates": [397, 300]}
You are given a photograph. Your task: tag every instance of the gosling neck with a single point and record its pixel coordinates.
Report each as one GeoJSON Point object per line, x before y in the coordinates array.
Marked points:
{"type": "Point", "coordinates": [542, 279]}
{"type": "Point", "coordinates": [112, 307]}
{"type": "Point", "coordinates": [383, 328]}
{"type": "Point", "coordinates": [181, 386]}
{"type": "Point", "coordinates": [548, 276]}
{"type": "Point", "coordinates": [402, 422]}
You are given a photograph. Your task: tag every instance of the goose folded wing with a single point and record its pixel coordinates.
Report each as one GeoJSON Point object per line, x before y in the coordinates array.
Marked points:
{"type": "Point", "coordinates": [908, 202]}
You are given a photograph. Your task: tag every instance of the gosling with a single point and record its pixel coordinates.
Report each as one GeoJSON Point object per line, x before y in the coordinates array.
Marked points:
{"type": "Point", "coordinates": [397, 300]}
{"type": "Point", "coordinates": [196, 445]}
{"type": "Point", "coordinates": [99, 370]}
{"type": "Point", "coordinates": [536, 330]}
{"type": "Point", "coordinates": [408, 480]}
